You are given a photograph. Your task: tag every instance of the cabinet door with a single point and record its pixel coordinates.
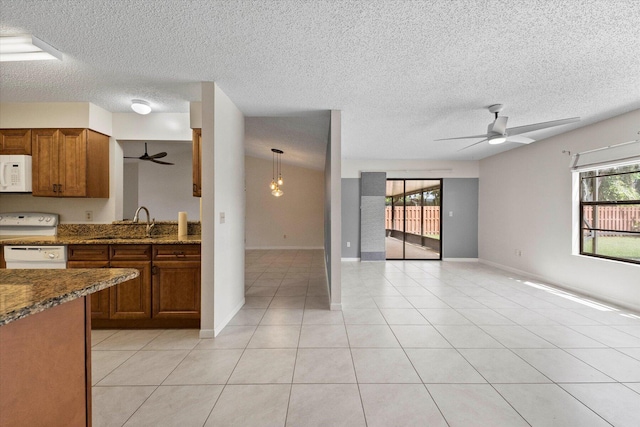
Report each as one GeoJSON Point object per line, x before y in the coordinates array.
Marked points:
{"type": "Point", "coordinates": [15, 141]}
{"type": "Point", "coordinates": [131, 299]}
{"type": "Point", "coordinates": [44, 148]}
{"type": "Point", "coordinates": [97, 165]}
{"type": "Point", "coordinates": [100, 299]}
{"type": "Point", "coordinates": [176, 289]}
{"type": "Point", "coordinates": [72, 163]}
{"type": "Point", "coordinates": [197, 162]}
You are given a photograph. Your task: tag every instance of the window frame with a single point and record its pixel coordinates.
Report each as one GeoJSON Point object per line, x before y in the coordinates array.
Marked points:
{"type": "Point", "coordinates": [595, 204]}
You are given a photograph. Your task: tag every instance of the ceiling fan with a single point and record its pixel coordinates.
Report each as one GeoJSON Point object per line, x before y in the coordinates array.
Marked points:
{"type": "Point", "coordinates": [151, 158]}
{"type": "Point", "coordinates": [497, 132]}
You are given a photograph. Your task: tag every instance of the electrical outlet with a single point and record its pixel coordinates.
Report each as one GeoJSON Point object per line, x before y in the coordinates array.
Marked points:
{"type": "Point", "coordinates": [88, 215]}
{"type": "Point", "coordinates": [285, 236]}
{"type": "Point", "coordinates": [519, 253]}
{"type": "Point", "coordinates": [348, 244]}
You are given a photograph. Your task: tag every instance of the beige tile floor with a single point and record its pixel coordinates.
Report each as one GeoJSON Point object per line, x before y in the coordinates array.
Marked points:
{"type": "Point", "coordinates": [418, 343]}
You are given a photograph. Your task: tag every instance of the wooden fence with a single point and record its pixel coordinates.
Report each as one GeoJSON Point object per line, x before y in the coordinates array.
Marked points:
{"type": "Point", "coordinates": [430, 219]}
{"type": "Point", "coordinates": [623, 218]}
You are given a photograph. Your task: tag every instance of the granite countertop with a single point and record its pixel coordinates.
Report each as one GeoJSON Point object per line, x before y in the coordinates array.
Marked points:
{"type": "Point", "coordinates": [171, 239]}
{"type": "Point", "coordinates": [28, 291]}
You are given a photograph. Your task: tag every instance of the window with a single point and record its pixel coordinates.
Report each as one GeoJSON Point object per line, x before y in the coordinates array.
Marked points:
{"type": "Point", "coordinates": [610, 213]}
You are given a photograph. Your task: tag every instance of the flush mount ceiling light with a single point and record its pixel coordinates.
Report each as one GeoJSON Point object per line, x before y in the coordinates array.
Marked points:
{"type": "Point", "coordinates": [140, 106]}
{"type": "Point", "coordinates": [277, 172]}
{"type": "Point", "coordinates": [26, 48]}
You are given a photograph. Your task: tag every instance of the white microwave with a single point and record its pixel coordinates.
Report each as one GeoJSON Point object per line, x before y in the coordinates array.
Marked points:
{"type": "Point", "coordinates": [15, 174]}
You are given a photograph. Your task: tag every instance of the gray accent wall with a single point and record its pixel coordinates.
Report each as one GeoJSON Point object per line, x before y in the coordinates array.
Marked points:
{"type": "Point", "coordinates": [460, 231]}
{"type": "Point", "coordinates": [351, 217]}
{"type": "Point", "coordinates": [372, 243]}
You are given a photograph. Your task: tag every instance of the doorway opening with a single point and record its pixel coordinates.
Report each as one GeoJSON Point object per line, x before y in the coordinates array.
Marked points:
{"type": "Point", "coordinates": [413, 226]}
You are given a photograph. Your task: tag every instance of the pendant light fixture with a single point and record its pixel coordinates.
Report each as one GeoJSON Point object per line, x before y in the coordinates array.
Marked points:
{"type": "Point", "coordinates": [276, 179]}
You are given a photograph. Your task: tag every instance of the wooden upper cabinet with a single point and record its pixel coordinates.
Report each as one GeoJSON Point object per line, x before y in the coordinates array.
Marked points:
{"type": "Point", "coordinates": [197, 162]}
{"type": "Point", "coordinates": [15, 141]}
{"type": "Point", "coordinates": [44, 148]}
{"type": "Point", "coordinates": [70, 163]}
{"type": "Point", "coordinates": [72, 152]}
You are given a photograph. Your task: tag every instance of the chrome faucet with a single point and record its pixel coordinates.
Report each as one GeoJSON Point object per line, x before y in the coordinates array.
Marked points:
{"type": "Point", "coordinates": [150, 225]}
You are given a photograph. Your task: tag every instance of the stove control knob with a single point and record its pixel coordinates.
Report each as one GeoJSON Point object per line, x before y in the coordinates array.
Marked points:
{"type": "Point", "coordinates": [48, 219]}
{"type": "Point", "coordinates": [41, 219]}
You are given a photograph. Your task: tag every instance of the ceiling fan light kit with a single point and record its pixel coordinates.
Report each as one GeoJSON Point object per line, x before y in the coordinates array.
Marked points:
{"type": "Point", "coordinates": [498, 133]}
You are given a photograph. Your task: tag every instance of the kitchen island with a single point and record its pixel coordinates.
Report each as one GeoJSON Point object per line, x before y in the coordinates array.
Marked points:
{"type": "Point", "coordinates": [45, 344]}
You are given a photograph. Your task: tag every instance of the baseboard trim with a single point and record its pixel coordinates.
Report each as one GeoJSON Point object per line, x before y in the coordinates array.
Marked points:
{"type": "Point", "coordinates": [461, 259]}
{"type": "Point", "coordinates": [350, 259]}
{"type": "Point", "coordinates": [226, 321]}
{"type": "Point", "coordinates": [206, 334]}
{"type": "Point", "coordinates": [561, 286]}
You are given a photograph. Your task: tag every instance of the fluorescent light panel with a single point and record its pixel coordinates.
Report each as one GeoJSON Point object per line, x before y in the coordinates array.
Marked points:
{"type": "Point", "coordinates": [26, 48]}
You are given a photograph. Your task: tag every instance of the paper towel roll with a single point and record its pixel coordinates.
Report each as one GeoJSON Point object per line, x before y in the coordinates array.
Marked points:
{"type": "Point", "coordinates": [182, 224]}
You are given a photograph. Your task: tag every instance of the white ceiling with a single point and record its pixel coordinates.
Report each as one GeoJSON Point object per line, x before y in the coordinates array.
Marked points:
{"type": "Point", "coordinates": [403, 72]}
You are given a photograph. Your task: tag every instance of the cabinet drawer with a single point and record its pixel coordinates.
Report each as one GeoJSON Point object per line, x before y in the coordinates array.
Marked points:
{"type": "Point", "coordinates": [130, 252]}
{"type": "Point", "coordinates": [176, 252]}
{"type": "Point", "coordinates": [88, 252]}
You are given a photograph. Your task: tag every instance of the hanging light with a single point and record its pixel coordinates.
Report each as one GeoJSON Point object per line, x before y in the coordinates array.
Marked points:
{"type": "Point", "coordinates": [276, 172]}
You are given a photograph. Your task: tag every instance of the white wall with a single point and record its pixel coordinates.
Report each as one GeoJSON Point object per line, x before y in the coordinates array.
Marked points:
{"type": "Point", "coordinates": [351, 168]}
{"type": "Point", "coordinates": [55, 115]}
{"type": "Point", "coordinates": [130, 194]}
{"type": "Point", "coordinates": [151, 127]}
{"type": "Point", "coordinates": [526, 204]}
{"type": "Point", "coordinates": [223, 187]}
{"type": "Point", "coordinates": [298, 213]}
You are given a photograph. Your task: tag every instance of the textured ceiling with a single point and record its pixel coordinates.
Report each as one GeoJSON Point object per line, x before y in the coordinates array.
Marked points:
{"type": "Point", "coordinates": [403, 72]}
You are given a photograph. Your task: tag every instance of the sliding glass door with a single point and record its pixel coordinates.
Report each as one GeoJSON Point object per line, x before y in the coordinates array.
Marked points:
{"type": "Point", "coordinates": [412, 219]}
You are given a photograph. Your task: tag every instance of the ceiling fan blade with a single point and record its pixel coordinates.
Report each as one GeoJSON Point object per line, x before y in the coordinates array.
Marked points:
{"type": "Point", "coordinates": [158, 155]}
{"type": "Point", "coordinates": [500, 125]}
{"type": "Point", "coordinates": [462, 137]}
{"type": "Point", "coordinates": [160, 162]}
{"type": "Point", "coordinates": [537, 126]}
{"type": "Point", "coordinates": [469, 146]}
{"type": "Point", "coordinates": [520, 139]}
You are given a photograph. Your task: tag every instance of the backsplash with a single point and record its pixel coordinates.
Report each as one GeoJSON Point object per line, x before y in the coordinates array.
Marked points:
{"type": "Point", "coordinates": [126, 228]}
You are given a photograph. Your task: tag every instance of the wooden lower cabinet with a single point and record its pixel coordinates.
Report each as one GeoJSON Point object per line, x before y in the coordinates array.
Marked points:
{"type": "Point", "coordinates": [176, 289]}
{"type": "Point", "coordinates": [165, 295]}
{"type": "Point", "coordinates": [131, 299]}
